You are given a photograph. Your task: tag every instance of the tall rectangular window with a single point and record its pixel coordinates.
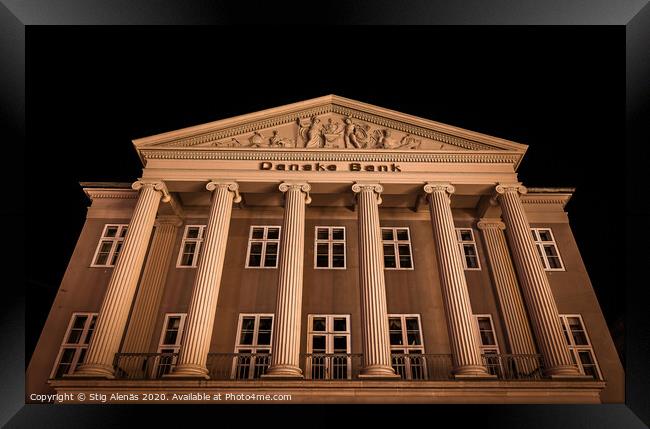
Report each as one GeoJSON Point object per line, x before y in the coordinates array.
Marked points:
{"type": "Point", "coordinates": [109, 245]}
{"type": "Point", "coordinates": [467, 246]}
{"type": "Point", "coordinates": [406, 346]}
{"type": "Point", "coordinates": [547, 249]}
{"type": "Point", "coordinates": [489, 345]}
{"type": "Point", "coordinates": [328, 346]}
{"type": "Point", "coordinates": [75, 344]}
{"type": "Point", "coordinates": [329, 247]}
{"type": "Point", "coordinates": [188, 256]}
{"type": "Point", "coordinates": [579, 344]}
{"type": "Point", "coordinates": [263, 247]}
{"type": "Point", "coordinates": [253, 346]}
{"type": "Point", "coordinates": [397, 248]}
{"type": "Point", "coordinates": [170, 342]}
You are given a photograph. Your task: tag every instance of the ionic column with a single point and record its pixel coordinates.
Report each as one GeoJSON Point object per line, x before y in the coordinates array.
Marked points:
{"type": "Point", "coordinates": [374, 313]}
{"type": "Point", "coordinates": [538, 297]}
{"type": "Point", "coordinates": [285, 353]}
{"type": "Point", "coordinates": [115, 307]}
{"type": "Point", "coordinates": [143, 315]}
{"type": "Point", "coordinates": [203, 304]}
{"type": "Point", "coordinates": [507, 289]}
{"type": "Point", "coordinates": [463, 331]}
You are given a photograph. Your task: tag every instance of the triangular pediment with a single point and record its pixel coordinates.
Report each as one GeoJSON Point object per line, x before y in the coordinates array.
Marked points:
{"type": "Point", "coordinates": [329, 123]}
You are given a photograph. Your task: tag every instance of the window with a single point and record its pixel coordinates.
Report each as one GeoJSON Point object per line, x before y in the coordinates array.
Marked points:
{"type": "Point", "coordinates": [467, 247]}
{"type": "Point", "coordinates": [406, 346]}
{"type": "Point", "coordinates": [253, 346]}
{"type": "Point", "coordinates": [579, 345]}
{"type": "Point", "coordinates": [170, 342]}
{"type": "Point", "coordinates": [328, 347]}
{"type": "Point", "coordinates": [489, 346]}
{"type": "Point", "coordinates": [329, 247]}
{"type": "Point", "coordinates": [75, 343]}
{"type": "Point", "coordinates": [191, 246]}
{"type": "Point", "coordinates": [545, 243]}
{"type": "Point", "coordinates": [263, 245]}
{"type": "Point", "coordinates": [109, 245]}
{"type": "Point", "coordinates": [397, 248]}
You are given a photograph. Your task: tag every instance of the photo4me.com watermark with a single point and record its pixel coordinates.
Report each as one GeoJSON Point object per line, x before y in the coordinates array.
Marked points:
{"type": "Point", "coordinates": [184, 397]}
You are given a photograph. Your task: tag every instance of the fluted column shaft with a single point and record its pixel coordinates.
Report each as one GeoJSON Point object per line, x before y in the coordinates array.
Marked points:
{"type": "Point", "coordinates": [195, 344]}
{"type": "Point", "coordinates": [536, 289]}
{"type": "Point", "coordinates": [374, 312]}
{"type": "Point", "coordinates": [285, 354]}
{"type": "Point", "coordinates": [143, 315]}
{"type": "Point", "coordinates": [114, 311]}
{"type": "Point", "coordinates": [463, 331]}
{"type": "Point", "coordinates": [507, 289]}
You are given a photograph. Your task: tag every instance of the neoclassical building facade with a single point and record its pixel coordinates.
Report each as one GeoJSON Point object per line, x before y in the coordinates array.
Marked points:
{"type": "Point", "coordinates": [333, 251]}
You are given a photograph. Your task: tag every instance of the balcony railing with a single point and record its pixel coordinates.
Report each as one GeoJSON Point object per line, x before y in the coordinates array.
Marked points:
{"type": "Point", "coordinates": [336, 366]}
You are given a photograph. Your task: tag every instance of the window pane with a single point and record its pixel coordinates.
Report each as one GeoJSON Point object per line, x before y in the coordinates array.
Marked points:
{"type": "Point", "coordinates": [386, 234]}
{"type": "Point", "coordinates": [123, 232]}
{"type": "Point", "coordinates": [322, 249]}
{"type": "Point", "coordinates": [338, 234]}
{"type": "Point", "coordinates": [111, 231]}
{"type": "Point", "coordinates": [340, 344]}
{"type": "Point", "coordinates": [174, 322]}
{"type": "Point", "coordinates": [118, 247]}
{"type": "Point", "coordinates": [395, 323]}
{"type": "Point", "coordinates": [273, 234]}
{"type": "Point", "coordinates": [264, 338]}
{"type": "Point", "coordinates": [272, 248]}
{"type": "Point", "coordinates": [545, 235]}
{"type": "Point", "coordinates": [403, 234]}
{"type": "Point", "coordinates": [323, 234]}
{"type": "Point", "coordinates": [322, 261]}
{"type": "Point", "coordinates": [487, 338]}
{"type": "Point", "coordinates": [270, 260]}
{"type": "Point", "coordinates": [338, 261]}
{"type": "Point", "coordinates": [101, 259]}
{"type": "Point", "coordinates": [193, 232]}
{"type": "Point", "coordinates": [75, 336]}
{"type": "Point", "coordinates": [170, 337]}
{"type": "Point", "coordinates": [91, 329]}
{"type": "Point", "coordinates": [256, 248]}
{"type": "Point", "coordinates": [106, 246]}
{"type": "Point", "coordinates": [472, 261]}
{"type": "Point", "coordinates": [412, 324]}
{"type": "Point", "coordinates": [466, 235]}
{"type": "Point", "coordinates": [532, 231]}
{"type": "Point", "coordinates": [257, 233]}
{"type": "Point", "coordinates": [266, 323]}
{"type": "Point", "coordinates": [318, 344]}
{"type": "Point", "coordinates": [550, 250]}
{"type": "Point", "coordinates": [318, 324]}
{"type": "Point", "coordinates": [82, 357]}
{"type": "Point", "coordinates": [469, 249]}
{"type": "Point", "coordinates": [338, 248]}
{"type": "Point", "coordinates": [246, 338]}
{"type": "Point", "coordinates": [396, 338]}
{"type": "Point", "coordinates": [413, 338]}
{"type": "Point", "coordinates": [554, 262]}
{"type": "Point", "coordinates": [248, 323]}
{"type": "Point", "coordinates": [64, 363]}
{"type": "Point", "coordinates": [340, 324]}
{"type": "Point", "coordinates": [255, 260]}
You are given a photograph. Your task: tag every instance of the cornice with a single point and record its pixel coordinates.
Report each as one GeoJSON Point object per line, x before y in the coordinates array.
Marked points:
{"type": "Point", "coordinates": [561, 199]}
{"type": "Point", "coordinates": [493, 157]}
{"type": "Point", "coordinates": [111, 193]}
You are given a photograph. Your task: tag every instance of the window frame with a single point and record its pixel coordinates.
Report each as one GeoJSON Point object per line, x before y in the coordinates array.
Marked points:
{"type": "Point", "coordinates": [574, 349]}
{"type": "Point", "coordinates": [252, 347]}
{"type": "Point", "coordinates": [329, 333]}
{"type": "Point", "coordinates": [395, 242]}
{"type": "Point", "coordinates": [77, 346]}
{"type": "Point", "coordinates": [539, 244]}
{"type": "Point", "coordinates": [494, 348]}
{"type": "Point", "coordinates": [264, 240]}
{"type": "Point", "coordinates": [461, 247]}
{"type": "Point", "coordinates": [158, 369]}
{"type": "Point", "coordinates": [330, 248]}
{"type": "Point", "coordinates": [412, 366]}
{"type": "Point", "coordinates": [198, 249]}
{"type": "Point", "coordinates": [115, 240]}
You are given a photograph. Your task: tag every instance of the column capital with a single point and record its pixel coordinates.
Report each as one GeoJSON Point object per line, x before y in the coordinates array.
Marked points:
{"type": "Point", "coordinates": [374, 187]}
{"type": "Point", "coordinates": [157, 185]}
{"type": "Point", "coordinates": [169, 220]}
{"type": "Point", "coordinates": [301, 186]}
{"type": "Point", "coordinates": [431, 187]}
{"type": "Point", "coordinates": [503, 188]}
{"type": "Point", "coordinates": [230, 185]}
{"type": "Point", "coordinates": [485, 223]}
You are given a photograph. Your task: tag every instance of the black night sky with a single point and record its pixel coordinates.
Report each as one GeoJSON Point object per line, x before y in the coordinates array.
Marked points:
{"type": "Point", "coordinates": [91, 90]}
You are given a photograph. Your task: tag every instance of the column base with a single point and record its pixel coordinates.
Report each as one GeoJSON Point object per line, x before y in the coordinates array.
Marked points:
{"type": "Point", "coordinates": [378, 372]}
{"type": "Point", "coordinates": [471, 371]}
{"type": "Point", "coordinates": [284, 372]}
{"type": "Point", "coordinates": [188, 371]}
{"type": "Point", "coordinates": [93, 371]}
{"type": "Point", "coordinates": [564, 371]}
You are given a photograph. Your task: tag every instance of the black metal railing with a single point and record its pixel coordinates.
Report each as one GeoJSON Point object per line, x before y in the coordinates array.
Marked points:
{"type": "Point", "coordinates": [331, 366]}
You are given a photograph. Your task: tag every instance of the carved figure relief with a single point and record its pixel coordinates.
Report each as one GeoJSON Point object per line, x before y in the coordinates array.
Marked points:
{"type": "Point", "coordinates": [356, 135]}
{"type": "Point", "coordinates": [256, 140]}
{"type": "Point", "coordinates": [311, 134]}
{"type": "Point", "coordinates": [277, 141]}
{"type": "Point", "coordinates": [332, 134]}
